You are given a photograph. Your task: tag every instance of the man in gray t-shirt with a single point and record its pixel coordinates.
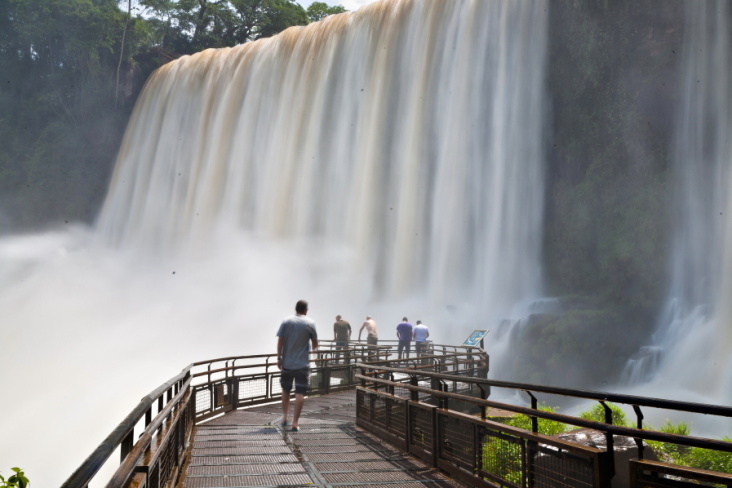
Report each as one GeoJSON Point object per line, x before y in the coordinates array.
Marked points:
{"type": "Point", "coordinates": [295, 335]}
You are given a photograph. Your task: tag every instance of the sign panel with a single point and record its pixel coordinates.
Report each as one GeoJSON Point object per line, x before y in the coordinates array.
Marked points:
{"type": "Point", "coordinates": [475, 337]}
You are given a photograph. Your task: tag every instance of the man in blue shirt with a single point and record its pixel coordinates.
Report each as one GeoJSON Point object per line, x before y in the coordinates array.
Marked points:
{"type": "Point", "coordinates": [404, 333]}
{"type": "Point", "coordinates": [295, 335]}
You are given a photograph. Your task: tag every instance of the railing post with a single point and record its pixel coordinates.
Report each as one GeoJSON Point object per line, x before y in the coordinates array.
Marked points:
{"type": "Point", "coordinates": [531, 445]}
{"type": "Point", "coordinates": [414, 394]}
{"type": "Point", "coordinates": [325, 374]}
{"type": "Point", "coordinates": [126, 445]}
{"type": "Point", "coordinates": [609, 469]}
{"type": "Point", "coordinates": [638, 441]}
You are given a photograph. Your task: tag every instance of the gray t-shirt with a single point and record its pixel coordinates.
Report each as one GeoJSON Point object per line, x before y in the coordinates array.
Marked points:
{"type": "Point", "coordinates": [296, 331]}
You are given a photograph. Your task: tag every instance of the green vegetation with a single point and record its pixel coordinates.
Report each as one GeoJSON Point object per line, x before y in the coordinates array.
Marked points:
{"type": "Point", "coordinates": [693, 457]}
{"type": "Point", "coordinates": [18, 480]}
{"type": "Point", "coordinates": [546, 427]}
{"type": "Point", "coordinates": [499, 453]}
{"type": "Point", "coordinates": [70, 72]}
{"type": "Point", "coordinates": [320, 10]}
{"type": "Point", "coordinates": [597, 414]}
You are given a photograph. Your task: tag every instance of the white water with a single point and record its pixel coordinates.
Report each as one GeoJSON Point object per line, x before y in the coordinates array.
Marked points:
{"type": "Point", "coordinates": [695, 333]}
{"type": "Point", "coordinates": [385, 162]}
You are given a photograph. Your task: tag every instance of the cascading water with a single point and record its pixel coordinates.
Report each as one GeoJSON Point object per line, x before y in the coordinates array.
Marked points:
{"type": "Point", "coordinates": [410, 132]}
{"type": "Point", "coordinates": [693, 340]}
{"type": "Point", "coordinates": [383, 162]}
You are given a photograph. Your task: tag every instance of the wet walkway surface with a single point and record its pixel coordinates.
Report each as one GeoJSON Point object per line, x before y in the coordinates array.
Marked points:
{"type": "Point", "coordinates": [247, 448]}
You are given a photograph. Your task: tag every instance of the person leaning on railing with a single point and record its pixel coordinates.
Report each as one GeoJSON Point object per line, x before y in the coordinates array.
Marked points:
{"type": "Point", "coordinates": [421, 333]}
{"type": "Point", "coordinates": [372, 338]}
{"type": "Point", "coordinates": [341, 336]}
{"type": "Point", "coordinates": [405, 333]}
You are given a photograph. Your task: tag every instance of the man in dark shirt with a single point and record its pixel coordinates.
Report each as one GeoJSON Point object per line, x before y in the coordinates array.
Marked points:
{"type": "Point", "coordinates": [341, 336]}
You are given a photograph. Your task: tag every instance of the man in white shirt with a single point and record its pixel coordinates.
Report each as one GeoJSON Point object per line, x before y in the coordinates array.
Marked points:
{"type": "Point", "coordinates": [421, 333]}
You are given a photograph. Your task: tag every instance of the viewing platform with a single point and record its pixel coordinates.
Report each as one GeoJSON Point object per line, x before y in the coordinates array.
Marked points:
{"type": "Point", "coordinates": [371, 420]}
{"type": "Point", "coordinates": [248, 448]}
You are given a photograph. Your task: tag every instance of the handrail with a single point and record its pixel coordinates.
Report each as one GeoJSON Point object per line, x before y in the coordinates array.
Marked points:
{"type": "Point", "coordinates": [681, 406]}
{"type": "Point", "coordinates": [126, 470]}
{"type": "Point", "coordinates": [567, 419]}
{"type": "Point", "coordinates": [433, 415]}
{"type": "Point", "coordinates": [208, 388]}
{"type": "Point", "coordinates": [91, 466]}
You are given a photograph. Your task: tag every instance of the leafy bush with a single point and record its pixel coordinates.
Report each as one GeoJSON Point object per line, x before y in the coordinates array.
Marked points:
{"type": "Point", "coordinates": [597, 414]}
{"type": "Point", "coordinates": [668, 451]}
{"type": "Point", "coordinates": [501, 454]}
{"type": "Point", "coordinates": [546, 427]}
{"type": "Point", "coordinates": [708, 459]}
{"type": "Point", "coordinates": [694, 457]}
{"type": "Point", "coordinates": [18, 480]}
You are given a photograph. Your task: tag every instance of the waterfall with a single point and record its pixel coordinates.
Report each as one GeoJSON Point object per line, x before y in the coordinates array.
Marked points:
{"type": "Point", "coordinates": [382, 162]}
{"type": "Point", "coordinates": [694, 332]}
{"type": "Point", "coordinates": [410, 132]}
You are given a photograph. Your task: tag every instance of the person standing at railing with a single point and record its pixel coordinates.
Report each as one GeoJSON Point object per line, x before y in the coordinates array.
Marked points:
{"type": "Point", "coordinates": [405, 332]}
{"type": "Point", "coordinates": [341, 336]}
{"type": "Point", "coordinates": [421, 333]}
{"type": "Point", "coordinates": [372, 338]}
{"type": "Point", "coordinates": [295, 335]}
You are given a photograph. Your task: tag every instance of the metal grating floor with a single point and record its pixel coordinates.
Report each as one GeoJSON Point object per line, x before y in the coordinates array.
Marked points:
{"type": "Point", "coordinates": [246, 448]}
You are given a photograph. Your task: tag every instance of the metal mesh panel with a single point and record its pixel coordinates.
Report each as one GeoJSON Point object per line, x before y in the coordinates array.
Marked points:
{"type": "Point", "coordinates": [238, 481]}
{"type": "Point", "coordinates": [363, 405]}
{"type": "Point", "coordinates": [390, 415]}
{"type": "Point", "coordinates": [556, 469]}
{"type": "Point", "coordinates": [246, 469]}
{"type": "Point", "coordinates": [274, 385]}
{"type": "Point", "coordinates": [203, 400]}
{"type": "Point", "coordinates": [221, 394]}
{"type": "Point", "coordinates": [401, 392]}
{"type": "Point", "coordinates": [167, 461]}
{"type": "Point", "coordinates": [502, 457]}
{"type": "Point", "coordinates": [252, 389]}
{"type": "Point", "coordinates": [341, 377]}
{"type": "Point", "coordinates": [457, 442]}
{"type": "Point", "coordinates": [421, 432]}
{"type": "Point", "coordinates": [316, 381]}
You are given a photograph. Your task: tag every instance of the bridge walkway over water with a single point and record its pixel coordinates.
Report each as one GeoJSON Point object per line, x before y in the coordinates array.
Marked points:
{"type": "Point", "coordinates": [248, 447]}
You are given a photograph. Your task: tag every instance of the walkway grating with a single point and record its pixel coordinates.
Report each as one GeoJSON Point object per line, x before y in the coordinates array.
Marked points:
{"type": "Point", "coordinates": [246, 448]}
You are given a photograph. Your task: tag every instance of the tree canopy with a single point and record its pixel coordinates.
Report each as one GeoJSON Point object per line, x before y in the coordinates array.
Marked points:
{"type": "Point", "coordinates": [320, 10]}
{"type": "Point", "coordinates": [70, 72]}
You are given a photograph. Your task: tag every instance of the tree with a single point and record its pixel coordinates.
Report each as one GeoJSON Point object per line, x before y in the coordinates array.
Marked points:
{"type": "Point", "coordinates": [320, 10]}
{"type": "Point", "coordinates": [194, 25]}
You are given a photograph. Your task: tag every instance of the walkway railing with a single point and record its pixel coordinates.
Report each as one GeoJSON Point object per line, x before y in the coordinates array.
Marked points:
{"type": "Point", "coordinates": [427, 414]}
{"type": "Point", "coordinates": [151, 442]}
{"type": "Point", "coordinates": [436, 407]}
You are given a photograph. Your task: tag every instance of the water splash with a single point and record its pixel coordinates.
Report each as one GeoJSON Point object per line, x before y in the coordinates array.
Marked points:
{"type": "Point", "coordinates": [383, 162]}
{"type": "Point", "coordinates": [695, 331]}
{"type": "Point", "coordinates": [409, 131]}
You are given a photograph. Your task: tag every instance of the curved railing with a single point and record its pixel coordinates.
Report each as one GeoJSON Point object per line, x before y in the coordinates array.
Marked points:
{"type": "Point", "coordinates": [152, 440]}
{"type": "Point", "coordinates": [165, 433]}
{"type": "Point", "coordinates": [437, 407]}
{"type": "Point", "coordinates": [444, 419]}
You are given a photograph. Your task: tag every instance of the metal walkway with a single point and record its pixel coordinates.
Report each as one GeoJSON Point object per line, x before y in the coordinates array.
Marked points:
{"type": "Point", "coordinates": [247, 448]}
